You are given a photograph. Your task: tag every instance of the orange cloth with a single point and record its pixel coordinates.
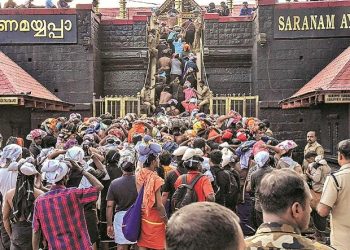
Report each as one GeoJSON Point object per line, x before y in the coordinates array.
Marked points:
{"type": "Point", "coordinates": [137, 128]}
{"type": "Point", "coordinates": [203, 187]}
{"type": "Point", "coordinates": [214, 133]}
{"type": "Point", "coordinates": [20, 141]}
{"type": "Point", "coordinates": [152, 231]}
{"type": "Point", "coordinates": [152, 183]}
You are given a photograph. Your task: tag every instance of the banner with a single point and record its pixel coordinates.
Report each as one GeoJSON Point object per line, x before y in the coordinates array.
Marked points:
{"type": "Point", "coordinates": [42, 29]}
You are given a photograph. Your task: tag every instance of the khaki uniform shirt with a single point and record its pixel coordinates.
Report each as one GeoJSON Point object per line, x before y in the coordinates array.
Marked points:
{"type": "Point", "coordinates": [280, 236]}
{"type": "Point", "coordinates": [316, 147]}
{"type": "Point", "coordinates": [204, 93]}
{"type": "Point", "coordinates": [269, 132]}
{"type": "Point", "coordinates": [339, 201]}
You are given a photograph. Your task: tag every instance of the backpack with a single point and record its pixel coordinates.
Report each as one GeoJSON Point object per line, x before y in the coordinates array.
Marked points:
{"type": "Point", "coordinates": [232, 195]}
{"type": "Point", "coordinates": [185, 194]}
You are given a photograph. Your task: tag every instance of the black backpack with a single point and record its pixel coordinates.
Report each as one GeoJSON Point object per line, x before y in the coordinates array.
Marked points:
{"type": "Point", "coordinates": [232, 195]}
{"type": "Point", "coordinates": [185, 194]}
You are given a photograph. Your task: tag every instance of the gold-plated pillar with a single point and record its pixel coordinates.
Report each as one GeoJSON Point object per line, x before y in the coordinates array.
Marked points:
{"type": "Point", "coordinates": [230, 5]}
{"type": "Point", "coordinates": [178, 7]}
{"type": "Point", "coordinates": [122, 9]}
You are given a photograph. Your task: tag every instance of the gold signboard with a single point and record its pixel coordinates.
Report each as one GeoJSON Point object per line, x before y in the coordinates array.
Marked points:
{"type": "Point", "coordinates": [31, 29]}
{"type": "Point", "coordinates": [337, 98]}
{"type": "Point", "coordinates": [311, 22]}
{"type": "Point", "coordinates": [8, 100]}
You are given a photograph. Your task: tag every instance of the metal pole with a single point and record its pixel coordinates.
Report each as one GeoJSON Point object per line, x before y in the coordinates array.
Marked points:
{"type": "Point", "coordinates": [230, 4]}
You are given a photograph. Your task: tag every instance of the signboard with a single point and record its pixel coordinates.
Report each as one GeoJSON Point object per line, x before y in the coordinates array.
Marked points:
{"type": "Point", "coordinates": [33, 29]}
{"type": "Point", "coordinates": [8, 100]}
{"type": "Point", "coordinates": [312, 23]}
{"type": "Point", "coordinates": [337, 98]}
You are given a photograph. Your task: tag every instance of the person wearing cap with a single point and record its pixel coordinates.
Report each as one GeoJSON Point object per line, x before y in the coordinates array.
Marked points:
{"type": "Point", "coordinates": [58, 214]}
{"type": "Point", "coordinates": [168, 187]}
{"type": "Point", "coordinates": [121, 194]}
{"type": "Point", "coordinates": [193, 159]}
{"type": "Point", "coordinates": [154, 217]}
{"type": "Point", "coordinates": [19, 206]}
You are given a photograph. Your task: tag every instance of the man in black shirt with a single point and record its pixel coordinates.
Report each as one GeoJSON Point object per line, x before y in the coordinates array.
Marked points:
{"type": "Point", "coordinates": [221, 184]}
{"type": "Point", "coordinates": [262, 160]}
{"type": "Point", "coordinates": [168, 188]}
{"type": "Point", "coordinates": [122, 193]}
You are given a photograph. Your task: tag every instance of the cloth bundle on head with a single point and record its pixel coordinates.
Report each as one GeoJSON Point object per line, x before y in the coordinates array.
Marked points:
{"type": "Point", "coordinates": [225, 149]}
{"type": "Point", "coordinates": [14, 166]}
{"type": "Point", "coordinates": [28, 169]}
{"type": "Point", "coordinates": [244, 152]}
{"type": "Point", "coordinates": [36, 133]}
{"type": "Point", "coordinates": [70, 143]}
{"type": "Point", "coordinates": [287, 145]}
{"type": "Point", "coordinates": [192, 152]}
{"type": "Point", "coordinates": [190, 133]}
{"type": "Point", "coordinates": [117, 133]}
{"type": "Point", "coordinates": [145, 149]}
{"type": "Point", "coordinates": [227, 159]}
{"type": "Point", "coordinates": [187, 84]}
{"type": "Point", "coordinates": [261, 158]}
{"type": "Point", "coordinates": [10, 153]}
{"type": "Point", "coordinates": [227, 135]}
{"type": "Point", "coordinates": [75, 154]}
{"type": "Point", "coordinates": [180, 151]}
{"type": "Point", "coordinates": [236, 118]}
{"type": "Point", "coordinates": [54, 171]}
{"type": "Point", "coordinates": [170, 146]}
{"type": "Point", "coordinates": [258, 147]}
{"type": "Point", "coordinates": [319, 160]}
{"type": "Point", "coordinates": [49, 125]}
{"type": "Point", "coordinates": [241, 136]}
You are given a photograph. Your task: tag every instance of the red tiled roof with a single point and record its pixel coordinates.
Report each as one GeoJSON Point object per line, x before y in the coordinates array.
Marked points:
{"type": "Point", "coordinates": [15, 81]}
{"type": "Point", "coordinates": [334, 77]}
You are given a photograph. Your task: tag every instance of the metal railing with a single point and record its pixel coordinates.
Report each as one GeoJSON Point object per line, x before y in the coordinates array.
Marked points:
{"type": "Point", "coordinates": [247, 106]}
{"type": "Point", "coordinates": [117, 106]}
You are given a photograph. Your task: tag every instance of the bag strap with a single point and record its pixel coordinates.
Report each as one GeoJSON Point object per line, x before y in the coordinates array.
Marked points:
{"type": "Point", "coordinates": [194, 181]}
{"type": "Point", "coordinates": [336, 182]}
{"type": "Point", "coordinates": [184, 179]}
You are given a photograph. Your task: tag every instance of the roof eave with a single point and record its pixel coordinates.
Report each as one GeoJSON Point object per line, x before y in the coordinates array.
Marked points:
{"type": "Point", "coordinates": [309, 99]}
{"type": "Point", "coordinates": [41, 103]}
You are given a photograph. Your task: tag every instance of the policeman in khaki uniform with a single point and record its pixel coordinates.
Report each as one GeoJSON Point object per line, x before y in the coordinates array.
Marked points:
{"type": "Point", "coordinates": [335, 199]}
{"type": "Point", "coordinates": [285, 200]}
{"type": "Point", "coordinates": [312, 145]}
